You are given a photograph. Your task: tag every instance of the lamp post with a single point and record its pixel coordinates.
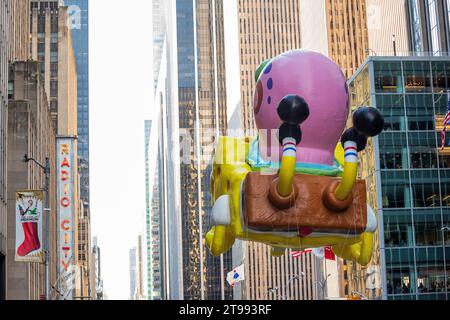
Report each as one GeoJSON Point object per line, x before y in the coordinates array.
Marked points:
{"type": "Point", "coordinates": [46, 169]}
{"type": "Point", "coordinates": [322, 284]}
{"type": "Point", "coordinates": [394, 44]}
{"type": "Point", "coordinates": [276, 289]}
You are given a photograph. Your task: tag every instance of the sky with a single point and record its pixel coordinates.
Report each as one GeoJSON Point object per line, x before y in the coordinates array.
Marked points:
{"type": "Point", "coordinates": [121, 80]}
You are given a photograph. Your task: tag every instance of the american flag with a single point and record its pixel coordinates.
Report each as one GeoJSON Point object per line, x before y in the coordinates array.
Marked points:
{"type": "Point", "coordinates": [321, 253]}
{"type": "Point", "coordinates": [297, 254]}
{"type": "Point", "coordinates": [446, 122]}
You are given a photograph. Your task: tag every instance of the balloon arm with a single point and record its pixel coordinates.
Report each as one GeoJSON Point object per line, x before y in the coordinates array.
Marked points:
{"type": "Point", "coordinates": [347, 184]}
{"type": "Point", "coordinates": [287, 169]}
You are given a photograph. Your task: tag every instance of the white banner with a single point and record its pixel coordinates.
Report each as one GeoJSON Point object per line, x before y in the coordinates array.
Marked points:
{"type": "Point", "coordinates": [29, 217]}
{"type": "Point", "coordinates": [66, 167]}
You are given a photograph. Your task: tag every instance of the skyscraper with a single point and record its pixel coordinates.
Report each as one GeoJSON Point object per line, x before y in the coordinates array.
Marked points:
{"type": "Point", "coordinates": [78, 11]}
{"type": "Point", "coordinates": [133, 272]}
{"type": "Point", "coordinates": [194, 110]}
{"type": "Point", "coordinates": [337, 29]}
{"type": "Point", "coordinates": [266, 29]}
{"type": "Point", "coordinates": [344, 30]}
{"type": "Point", "coordinates": [14, 30]}
{"type": "Point", "coordinates": [97, 259]}
{"type": "Point", "coordinates": [387, 25]}
{"type": "Point", "coordinates": [429, 26]}
{"type": "Point", "coordinates": [410, 172]}
{"type": "Point", "coordinates": [51, 45]}
{"type": "Point", "coordinates": [141, 291]}
{"type": "Point", "coordinates": [153, 216]}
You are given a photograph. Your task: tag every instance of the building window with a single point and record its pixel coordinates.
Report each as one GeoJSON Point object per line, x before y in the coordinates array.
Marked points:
{"type": "Point", "coordinates": [398, 229]}
{"type": "Point", "coordinates": [417, 76]}
{"type": "Point", "coordinates": [396, 189]}
{"type": "Point", "coordinates": [428, 227]}
{"type": "Point", "coordinates": [441, 76]}
{"type": "Point", "coordinates": [388, 77]}
{"type": "Point", "coordinates": [400, 271]}
{"type": "Point", "coordinates": [434, 27]}
{"type": "Point", "coordinates": [430, 270]}
{"type": "Point", "coordinates": [54, 88]}
{"type": "Point", "coordinates": [416, 26]}
{"type": "Point", "coordinates": [393, 109]}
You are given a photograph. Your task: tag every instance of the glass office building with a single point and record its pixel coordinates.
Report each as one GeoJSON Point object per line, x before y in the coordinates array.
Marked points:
{"type": "Point", "coordinates": [190, 60]}
{"type": "Point", "coordinates": [78, 11]}
{"type": "Point", "coordinates": [411, 171]}
{"type": "Point", "coordinates": [429, 26]}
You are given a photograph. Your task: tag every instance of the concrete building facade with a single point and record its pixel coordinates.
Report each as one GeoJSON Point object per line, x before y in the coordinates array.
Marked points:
{"type": "Point", "coordinates": [387, 21]}
{"type": "Point", "coordinates": [97, 269]}
{"type": "Point", "coordinates": [85, 288]}
{"type": "Point", "coordinates": [264, 30]}
{"type": "Point", "coordinates": [29, 132]}
{"type": "Point", "coordinates": [14, 26]}
{"type": "Point", "coordinates": [51, 45]}
{"type": "Point", "coordinates": [340, 26]}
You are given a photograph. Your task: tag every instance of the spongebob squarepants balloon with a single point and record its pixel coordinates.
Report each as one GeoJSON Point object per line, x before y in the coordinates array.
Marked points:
{"type": "Point", "coordinates": [288, 188]}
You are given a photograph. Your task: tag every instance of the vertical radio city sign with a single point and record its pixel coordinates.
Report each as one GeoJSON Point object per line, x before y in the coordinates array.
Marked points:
{"type": "Point", "coordinates": [66, 167]}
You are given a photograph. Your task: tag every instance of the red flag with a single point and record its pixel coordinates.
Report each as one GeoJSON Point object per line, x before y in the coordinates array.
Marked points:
{"type": "Point", "coordinates": [329, 254]}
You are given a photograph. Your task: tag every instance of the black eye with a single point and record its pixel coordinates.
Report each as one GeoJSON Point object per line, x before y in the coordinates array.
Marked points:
{"type": "Point", "coordinates": [293, 109]}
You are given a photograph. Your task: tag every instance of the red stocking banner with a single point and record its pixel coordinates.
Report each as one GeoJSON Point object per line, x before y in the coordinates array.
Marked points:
{"type": "Point", "coordinates": [29, 218]}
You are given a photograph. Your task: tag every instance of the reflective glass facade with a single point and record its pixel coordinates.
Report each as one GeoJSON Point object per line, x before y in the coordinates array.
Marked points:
{"type": "Point", "coordinates": [198, 109]}
{"type": "Point", "coordinates": [429, 26]}
{"type": "Point", "coordinates": [413, 174]}
{"type": "Point", "coordinates": [79, 17]}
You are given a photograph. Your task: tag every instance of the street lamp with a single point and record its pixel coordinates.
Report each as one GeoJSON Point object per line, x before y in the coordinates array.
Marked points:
{"type": "Point", "coordinates": [394, 44]}
{"type": "Point", "coordinates": [46, 169]}
{"type": "Point", "coordinates": [275, 290]}
{"type": "Point", "coordinates": [322, 284]}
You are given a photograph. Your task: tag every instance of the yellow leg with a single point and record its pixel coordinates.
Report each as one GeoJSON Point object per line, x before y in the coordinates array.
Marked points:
{"type": "Point", "coordinates": [286, 176]}
{"type": "Point", "coordinates": [360, 252]}
{"type": "Point", "coordinates": [287, 170]}
{"type": "Point", "coordinates": [345, 188]}
{"type": "Point", "coordinates": [220, 239]}
{"type": "Point", "coordinates": [350, 171]}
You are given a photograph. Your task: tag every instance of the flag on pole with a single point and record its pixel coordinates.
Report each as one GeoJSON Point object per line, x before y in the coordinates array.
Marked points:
{"type": "Point", "coordinates": [329, 254]}
{"type": "Point", "coordinates": [236, 276]}
{"type": "Point", "coordinates": [325, 252]}
{"type": "Point", "coordinates": [298, 254]}
{"type": "Point", "coordinates": [446, 122]}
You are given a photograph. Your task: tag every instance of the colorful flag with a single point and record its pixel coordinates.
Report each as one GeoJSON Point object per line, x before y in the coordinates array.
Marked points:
{"type": "Point", "coordinates": [325, 252]}
{"type": "Point", "coordinates": [446, 122]}
{"type": "Point", "coordinates": [329, 254]}
{"type": "Point", "coordinates": [236, 276]}
{"type": "Point", "coordinates": [297, 254]}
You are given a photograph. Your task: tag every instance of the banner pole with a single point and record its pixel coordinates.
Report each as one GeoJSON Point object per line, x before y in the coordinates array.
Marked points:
{"type": "Point", "coordinates": [47, 228]}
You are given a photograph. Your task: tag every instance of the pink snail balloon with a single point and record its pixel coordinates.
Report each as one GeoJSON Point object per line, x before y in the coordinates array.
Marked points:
{"type": "Point", "coordinates": [322, 85]}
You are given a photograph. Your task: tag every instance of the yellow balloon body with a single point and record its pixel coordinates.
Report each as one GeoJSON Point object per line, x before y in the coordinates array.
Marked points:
{"type": "Point", "coordinates": [229, 171]}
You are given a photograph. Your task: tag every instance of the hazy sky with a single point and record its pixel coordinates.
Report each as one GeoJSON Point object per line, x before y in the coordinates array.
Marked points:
{"type": "Point", "coordinates": [121, 82]}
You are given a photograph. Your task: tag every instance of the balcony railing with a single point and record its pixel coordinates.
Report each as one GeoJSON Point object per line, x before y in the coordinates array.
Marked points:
{"type": "Point", "coordinates": [429, 54]}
